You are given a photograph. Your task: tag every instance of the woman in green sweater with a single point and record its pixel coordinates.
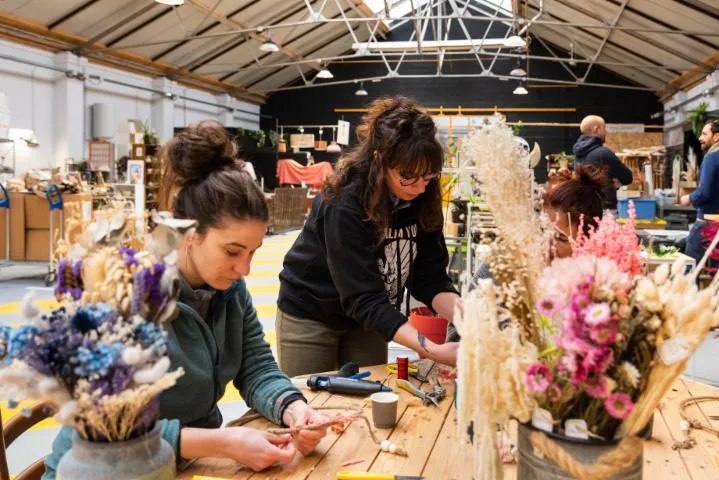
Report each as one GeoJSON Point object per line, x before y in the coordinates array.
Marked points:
{"type": "Point", "coordinates": [217, 337]}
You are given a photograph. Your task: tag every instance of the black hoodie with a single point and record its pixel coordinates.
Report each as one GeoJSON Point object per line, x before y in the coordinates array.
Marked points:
{"type": "Point", "coordinates": [337, 274]}
{"type": "Point", "coordinates": [589, 151]}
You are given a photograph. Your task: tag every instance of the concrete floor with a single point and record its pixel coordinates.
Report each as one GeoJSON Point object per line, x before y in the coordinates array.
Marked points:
{"type": "Point", "coordinates": [264, 287]}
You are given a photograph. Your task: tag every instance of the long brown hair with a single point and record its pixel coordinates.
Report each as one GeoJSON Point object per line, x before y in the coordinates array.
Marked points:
{"type": "Point", "coordinates": [203, 179]}
{"type": "Point", "coordinates": [404, 137]}
{"type": "Point", "coordinates": [580, 196]}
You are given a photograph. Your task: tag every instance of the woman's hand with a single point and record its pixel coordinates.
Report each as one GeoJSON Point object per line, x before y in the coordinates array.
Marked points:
{"type": "Point", "coordinates": [256, 449]}
{"type": "Point", "coordinates": [299, 413]}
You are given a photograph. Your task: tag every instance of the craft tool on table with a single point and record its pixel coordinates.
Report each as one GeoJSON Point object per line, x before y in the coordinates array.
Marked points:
{"type": "Point", "coordinates": [347, 386]}
{"type": "Point", "coordinates": [409, 387]}
{"type": "Point", "coordinates": [350, 475]}
{"type": "Point", "coordinates": [361, 375]}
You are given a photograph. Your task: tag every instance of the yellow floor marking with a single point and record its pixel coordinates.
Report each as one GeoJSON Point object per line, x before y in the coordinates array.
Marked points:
{"type": "Point", "coordinates": [264, 274]}
{"type": "Point", "coordinates": [263, 289]}
{"type": "Point", "coordinates": [264, 311]}
{"type": "Point", "coordinates": [14, 307]}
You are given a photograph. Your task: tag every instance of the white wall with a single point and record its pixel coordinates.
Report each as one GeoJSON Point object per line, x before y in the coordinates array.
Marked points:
{"type": "Point", "coordinates": [128, 103]}
{"type": "Point", "coordinates": [674, 116]}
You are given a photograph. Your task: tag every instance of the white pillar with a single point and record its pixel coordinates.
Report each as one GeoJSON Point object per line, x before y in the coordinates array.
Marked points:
{"type": "Point", "coordinates": [68, 111]}
{"type": "Point", "coordinates": [162, 112]}
{"type": "Point", "coordinates": [226, 112]}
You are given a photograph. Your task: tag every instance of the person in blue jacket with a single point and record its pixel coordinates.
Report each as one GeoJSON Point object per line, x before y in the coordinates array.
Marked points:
{"type": "Point", "coordinates": [706, 197]}
{"type": "Point", "coordinates": [217, 337]}
{"type": "Point", "coordinates": [590, 150]}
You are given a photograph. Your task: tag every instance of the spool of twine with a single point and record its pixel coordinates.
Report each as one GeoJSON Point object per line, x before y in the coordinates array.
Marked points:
{"type": "Point", "coordinates": [623, 456]}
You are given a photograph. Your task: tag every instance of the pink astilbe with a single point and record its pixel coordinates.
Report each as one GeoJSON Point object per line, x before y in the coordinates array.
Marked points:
{"type": "Point", "coordinates": [612, 240]}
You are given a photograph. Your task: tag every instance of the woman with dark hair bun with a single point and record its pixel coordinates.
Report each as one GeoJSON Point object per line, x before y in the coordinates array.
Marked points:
{"type": "Point", "coordinates": [217, 337]}
{"type": "Point", "coordinates": [579, 199]}
{"type": "Point", "coordinates": [375, 230]}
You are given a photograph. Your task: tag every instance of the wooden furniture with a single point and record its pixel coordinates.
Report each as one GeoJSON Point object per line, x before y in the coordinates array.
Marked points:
{"type": "Point", "coordinates": [153, 176]}
{"type": "Point", "coordinates": [13, 429]}
{"type": "Point", "coordinates": [287, 209]}
{"type": "Point", "coordinates": [431, 436]}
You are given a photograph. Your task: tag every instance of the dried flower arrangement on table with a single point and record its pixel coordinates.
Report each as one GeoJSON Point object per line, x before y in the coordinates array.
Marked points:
{"type": "Point", "coordinates": [585, 347]}
{"type": "Point", "coordinates": [101, 359]}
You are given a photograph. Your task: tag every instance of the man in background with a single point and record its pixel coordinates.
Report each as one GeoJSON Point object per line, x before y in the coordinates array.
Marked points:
{"type": "Point", "coordinates": [590, 150]}
{"type": "Point", "coordinates": [706, 197]}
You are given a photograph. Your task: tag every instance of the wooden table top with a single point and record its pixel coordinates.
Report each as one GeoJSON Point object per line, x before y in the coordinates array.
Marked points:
{"type": "Point", "coordinates": [430, 435]}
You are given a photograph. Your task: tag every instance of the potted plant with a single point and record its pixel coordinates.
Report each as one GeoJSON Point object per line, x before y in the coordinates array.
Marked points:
{"type": "Point", "coordinates": [101, 360]}
{"type": "Point", "coordinates": [698, 117]}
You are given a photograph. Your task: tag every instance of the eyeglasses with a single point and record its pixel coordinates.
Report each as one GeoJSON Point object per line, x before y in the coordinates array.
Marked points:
{"type": "Point", "coordinates": [406, 182]}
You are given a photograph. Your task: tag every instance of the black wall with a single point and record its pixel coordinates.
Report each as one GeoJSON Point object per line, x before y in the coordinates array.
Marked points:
{"type": "Point", "coordinates": [316, 105]}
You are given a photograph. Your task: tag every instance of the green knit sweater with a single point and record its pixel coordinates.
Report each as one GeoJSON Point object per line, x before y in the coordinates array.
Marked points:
{"type": "Point", "coordinates": [228, 346]}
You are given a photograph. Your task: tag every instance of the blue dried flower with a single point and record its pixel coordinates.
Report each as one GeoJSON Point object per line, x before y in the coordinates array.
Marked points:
{"type": "Point", "coordinates": [152, 336]}
{"type": "Point", "coordinates": [118, 380]}
{"type": "Point", "coordinates": [20, 339]}
{"type": "Point", "coordinates": [96, 360]}
{"type": "Point", "coordinates": [4, 337]}
{"type": "Point", "coordinates": [90, 317]}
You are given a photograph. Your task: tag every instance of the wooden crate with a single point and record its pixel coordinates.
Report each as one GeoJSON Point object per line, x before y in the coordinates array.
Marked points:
{"type": "Point", "coordinates": [287, 209]}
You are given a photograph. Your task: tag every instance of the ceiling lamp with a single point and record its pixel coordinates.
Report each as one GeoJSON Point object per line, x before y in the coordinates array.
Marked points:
{"type": "Point", "coordinates": [518, 72]}
{"type": "Point", "coordinates": [520, 90]}
{"type": "Point", "coordinates": [325, 73]}
{"type": "Point", "coordinates": [515, 41]}
{"type": "Point", "coordinates": [269, 46]}
{"type": "Point", "coordinates": [361, 92]}
{"type": "Point", "coordinates": [333, 147]}
{"type": "Point", "coordinates": [173, 3]}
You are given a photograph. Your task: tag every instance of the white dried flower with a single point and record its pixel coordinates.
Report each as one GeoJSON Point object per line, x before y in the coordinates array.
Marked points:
{"type": "Point", "coordinates": [684, 425]}
{"type": "Point", "coordinates": [153, 373]}
{"type": "Point", "coordinates": [630, 373]}
{"type": "Point", "coordinates": [385, 445]}
{"type": "Point", "coordinates": [661, 274]}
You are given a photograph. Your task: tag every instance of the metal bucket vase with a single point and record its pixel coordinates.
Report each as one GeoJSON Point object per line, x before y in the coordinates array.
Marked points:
{"type": "Point", "coordinates": [533, 467]}
{"type": "Point", "coordinates": [146, 458]}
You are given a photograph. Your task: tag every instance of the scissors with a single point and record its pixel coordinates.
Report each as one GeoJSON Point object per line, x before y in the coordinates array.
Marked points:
{"type": "Point", "coordinates": [412, 370]}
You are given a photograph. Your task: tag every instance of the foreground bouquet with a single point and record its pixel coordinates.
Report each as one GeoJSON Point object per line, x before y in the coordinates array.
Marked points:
{"type": "Point", "coordinates": [101, 359]}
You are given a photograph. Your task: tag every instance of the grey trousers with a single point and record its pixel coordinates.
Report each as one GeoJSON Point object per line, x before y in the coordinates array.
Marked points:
{"type": "Point", "coordinates": [308, 346]}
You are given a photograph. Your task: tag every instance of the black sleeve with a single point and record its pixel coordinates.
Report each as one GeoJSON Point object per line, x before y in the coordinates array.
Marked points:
{"type": "Point", "coordinates": [617, 169]}
{"type": "Point", "coordinates": [429, 271]}
{"type": "Point", "coordinates": [350, 241]}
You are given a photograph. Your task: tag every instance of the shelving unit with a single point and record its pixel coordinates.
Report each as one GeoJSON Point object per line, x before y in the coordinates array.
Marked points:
{"type": "Point", "coordinates": [4, 169]}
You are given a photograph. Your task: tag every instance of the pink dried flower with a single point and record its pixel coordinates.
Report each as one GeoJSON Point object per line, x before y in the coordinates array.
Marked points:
{"type": "Point", "coordinates": [548, 306]}
{"type": "Point", "coordinates": [619, 405]}
{"type": "Point", "coordinates": [554, 393]}
{"type": "Point", "coordinates": [567, 364]}
{"type": "Point", "coordinates": [598, 387]}
{"type": "Point", "coordinates": [580, 301]}
{"type": "Point", "coordinates": [580, 374]}
{"type": "Point", "coordinates": [539, 377]}
{"type": "Point", "coordinates": [604, 334]}
{"type": "Point", "coordinates": [614, 241]}
{"type": "Point", "coordinates": [598, 359]}
{"type": "Point", "coordinates": [597, 313]}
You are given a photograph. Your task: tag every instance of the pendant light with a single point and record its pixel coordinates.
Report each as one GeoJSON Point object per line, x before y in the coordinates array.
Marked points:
{"type": "Point", "coordinates": [520, 90]}
{"type": "Point", "coordinates": [361, 92]}
{"type": "Point", "coordinates": [269, 46]}
{"type": "Point", "coordinates": [173, 3]}
{"type": "Point", "coordinates": [334, 147]}
{"type": "Point", "coordinates": [324, 73]}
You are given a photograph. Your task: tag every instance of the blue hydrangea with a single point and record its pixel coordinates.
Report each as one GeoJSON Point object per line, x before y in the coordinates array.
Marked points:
{"type": "Point", "coordinates": [96, 360]}
{"type": "Point", "coordinates": [90, 317]}
{"type": "Point", "coordinates": [151, 336]}
{"type": "Point", "coordinates": [19, 339]}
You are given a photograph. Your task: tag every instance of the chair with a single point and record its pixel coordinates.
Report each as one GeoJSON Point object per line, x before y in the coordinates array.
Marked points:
{"type": "Point", "coordinates": [13, 429]}
{"type": "Point", "coordinates": [287, 210]}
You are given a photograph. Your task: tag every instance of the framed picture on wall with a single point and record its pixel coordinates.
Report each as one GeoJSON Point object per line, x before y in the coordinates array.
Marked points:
{"type": "Point", "coordinates": [135, 172]}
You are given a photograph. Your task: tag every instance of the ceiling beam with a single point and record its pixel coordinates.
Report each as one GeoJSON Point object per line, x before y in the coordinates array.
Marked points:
{"type": "Point", "coordinates": [688, 78]}
{"type": "Point", "coordinates": [606, 38]}
{"type": "Point", "coordinates": [232, 23]}
{"type": "Point", "coordinates": [118, 24]}
{"type": "Point", "coordinates": [72, 13]}
{"type": "Point", "coordinates": [136, 61]}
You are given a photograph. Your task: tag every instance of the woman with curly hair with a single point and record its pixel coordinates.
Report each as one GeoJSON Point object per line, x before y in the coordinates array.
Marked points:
{"type": "Point", "coordinates": [375, 229]}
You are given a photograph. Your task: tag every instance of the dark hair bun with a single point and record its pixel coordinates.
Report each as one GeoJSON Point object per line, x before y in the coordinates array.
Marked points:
{"type": "Point", "coordinates": [200, 150]}
{"type": "Point", "coordinates": [592, 176]}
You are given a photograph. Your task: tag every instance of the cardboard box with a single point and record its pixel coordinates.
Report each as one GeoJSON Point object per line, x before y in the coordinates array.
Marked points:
{"type": "Point", "coordinates": [17, 228]}
{"type": "Point", "coordinates": [37, 245]}
{"type": "Point", "coordinates": [37, 209]}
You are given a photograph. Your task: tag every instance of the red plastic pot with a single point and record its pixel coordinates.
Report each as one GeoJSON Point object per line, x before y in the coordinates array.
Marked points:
{"type": "Point", "coordinates": [430, 325]}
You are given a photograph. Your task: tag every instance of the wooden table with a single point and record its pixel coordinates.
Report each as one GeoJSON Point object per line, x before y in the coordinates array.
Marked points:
{"type": "Point", "coordinates": [430, 435]}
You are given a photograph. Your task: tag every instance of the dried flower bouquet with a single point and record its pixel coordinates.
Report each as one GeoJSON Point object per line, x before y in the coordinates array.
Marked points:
{"type": "Point", "coordinates": [101, 359]}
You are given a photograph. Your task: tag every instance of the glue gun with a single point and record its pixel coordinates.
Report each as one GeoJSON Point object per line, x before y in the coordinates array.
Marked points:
{"type": "Point", "coordinates": [346, 386]}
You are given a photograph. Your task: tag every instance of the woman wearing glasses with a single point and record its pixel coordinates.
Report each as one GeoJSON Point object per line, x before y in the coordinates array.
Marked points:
{"type": "Point", "coordinates": [375, 230]}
